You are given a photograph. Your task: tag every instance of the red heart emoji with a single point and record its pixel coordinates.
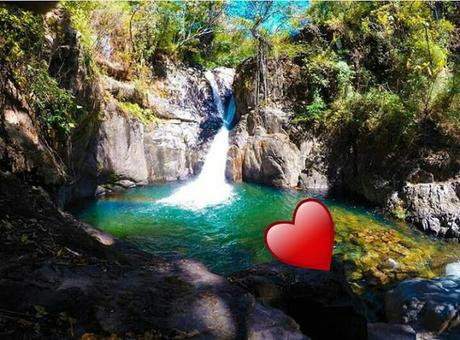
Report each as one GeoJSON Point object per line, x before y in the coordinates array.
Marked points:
{"type": "Point", "coordinates": [306, 241]}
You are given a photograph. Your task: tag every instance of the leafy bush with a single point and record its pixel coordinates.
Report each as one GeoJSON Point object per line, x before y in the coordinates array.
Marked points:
{"type": "Point", "coordinates": [382, 68]}
{"type": "Point", "coordinates": [21, 38]}
{"type": "Point", "coordinates": [22, 41]}
{"type": "Point", "coordinates": [56, 107]}
{"type": "Point", "coordinates": [377, 117]}
{"type": "Point", "coordinates": [144, 115]}
{"type": "Point", "coordinates": [314, 112]}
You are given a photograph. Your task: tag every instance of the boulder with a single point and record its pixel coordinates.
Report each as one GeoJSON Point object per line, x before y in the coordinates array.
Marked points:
{"type": "Point", "coordinates": [321, 302]}
{"type": "Point", "coordinates": [427, 305]}
{"type": "Point", "coordinates": [435, 207]}
{"type": "Point", "coordinates": [173, 298]}
{"type": "Point", "coordinates": [385, 331]}
{"type": "Point", "coordinates": [314, 172]}
{"type": "Point", "coordinates": [261, 150]}
{"type": "Point", "coordinates": [272, 159]}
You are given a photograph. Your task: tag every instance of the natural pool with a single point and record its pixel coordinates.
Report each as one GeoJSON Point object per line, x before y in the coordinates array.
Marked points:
{"type": "Point", "coordinates": [228, 237]}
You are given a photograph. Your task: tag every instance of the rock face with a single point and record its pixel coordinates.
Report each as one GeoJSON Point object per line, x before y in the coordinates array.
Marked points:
{"type": "Point", "coordinates": [271, 159]}
{"type": "Point", "coordinates": [166, 150]}
{"type": "Point", "coordinates": [426, 305]}
{"type": "Point", "coordinates": [120, 146]}
{"type": "Point", "coordinates": [172, 150]}
{"type": "Point", "coordinates": [163, 151]}
{"type": "Point", "coordinates": [321, 302]}
{"type": "Point", "coordinates": [314, 172]}
{"type": "Point", "coordinates": [23, 145]}
{"type": "Point", "coordinates": [263, 154]}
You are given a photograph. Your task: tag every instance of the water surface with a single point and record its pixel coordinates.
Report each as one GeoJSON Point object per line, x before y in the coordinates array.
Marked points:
{"type": "Point", "coordinates": [229, 236]}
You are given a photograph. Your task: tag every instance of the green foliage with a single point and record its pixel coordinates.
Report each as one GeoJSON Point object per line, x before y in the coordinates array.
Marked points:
{"type": "Point", "coordinates": [22, 41]}
{"type": "Point", "coordinates": [80, 19]}
{"type": "Point", "coordinates": [400, 213]}
{"type": "Point", "coordinates": [230, 46]}
{"type": "Point", "coordinates": [56, 107]}
{"type": "Point", "coordinates": [21, 37]}
{"type": "Point", "coordinates": [144, 115]}
{"type": "Point", "coordinates": [314, 112]}
{"type": "Point", "coordinates": [179, 29]}
{"type": "Point", "coordinates": [80, 16]}
{"type": "Point", "coordinates": [382, 68]}
{"type": "Point", "coordinates": [377, 117]}
{"type": "Point", "coordinates": [198, 32]}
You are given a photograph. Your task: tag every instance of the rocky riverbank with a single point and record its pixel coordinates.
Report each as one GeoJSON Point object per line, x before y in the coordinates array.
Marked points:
{"type": "Point", "coordinates": [62, 279]}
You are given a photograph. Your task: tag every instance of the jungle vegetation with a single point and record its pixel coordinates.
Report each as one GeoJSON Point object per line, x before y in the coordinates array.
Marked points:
{"type": "Point", "coordinates": [386, 69]}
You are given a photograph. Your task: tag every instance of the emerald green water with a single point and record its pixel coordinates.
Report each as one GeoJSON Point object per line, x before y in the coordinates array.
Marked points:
{"type": "Point", "coordinates": [229, 237]}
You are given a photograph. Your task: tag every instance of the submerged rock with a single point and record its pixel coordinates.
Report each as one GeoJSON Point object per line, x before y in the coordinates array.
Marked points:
{"type": "Point", "coordinates": [321, 302]}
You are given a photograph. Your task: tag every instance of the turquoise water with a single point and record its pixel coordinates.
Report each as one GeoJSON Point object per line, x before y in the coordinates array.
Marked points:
{"type": "Point", "coordinates": [227, 237]}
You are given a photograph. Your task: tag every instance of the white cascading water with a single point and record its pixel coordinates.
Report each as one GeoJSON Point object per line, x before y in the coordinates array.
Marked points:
{"type": "Point", "coordinates": [210, 188]}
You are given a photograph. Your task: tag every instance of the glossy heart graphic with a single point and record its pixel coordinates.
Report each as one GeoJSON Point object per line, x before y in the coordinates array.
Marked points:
{"type": "Point", "coordinates": [306, 241]}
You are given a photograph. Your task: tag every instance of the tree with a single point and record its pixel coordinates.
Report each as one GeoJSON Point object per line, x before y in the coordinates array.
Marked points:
{"type": "Point", "coordinates": [265, 20]}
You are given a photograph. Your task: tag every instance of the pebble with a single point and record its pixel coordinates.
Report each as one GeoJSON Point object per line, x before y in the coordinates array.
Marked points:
{"type": "Point", "coordinates": [391, 264]}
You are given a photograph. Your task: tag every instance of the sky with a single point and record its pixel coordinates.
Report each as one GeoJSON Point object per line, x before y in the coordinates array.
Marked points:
{"type": "Point", "coordinates": [279, 19]}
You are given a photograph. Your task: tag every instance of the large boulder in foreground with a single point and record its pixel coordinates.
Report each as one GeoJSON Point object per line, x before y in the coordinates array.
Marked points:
{"type": "Point", "coordinates": [321, 302]}
{"type": "Point", "coordinates": [426, 305]}
{"type": "Point", "coordinates": [173, 298]}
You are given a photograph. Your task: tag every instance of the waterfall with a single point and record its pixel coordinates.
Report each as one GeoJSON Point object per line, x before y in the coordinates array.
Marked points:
{"type": "Point", "coordinates": [210, 188]}
{"type": "Point", "coordinates": [215, 93]}
{"type": "Point", "coordinates": [230, 114]}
